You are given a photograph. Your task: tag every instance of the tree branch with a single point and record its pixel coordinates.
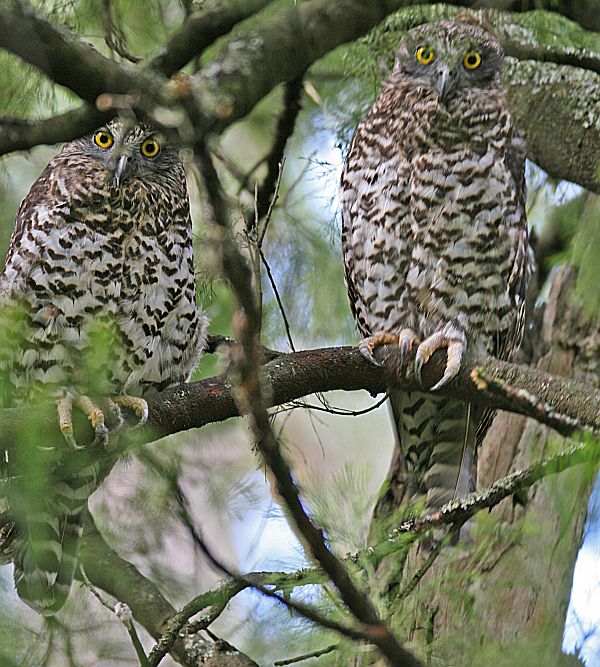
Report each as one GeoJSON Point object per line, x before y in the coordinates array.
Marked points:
{"type": "Point", "coordinates": [19, 134]}
{"type": "Point", "coordinates": [63, 56]}
{"type": "Point", "coordinates": [565, 404]}
{"type": "Point", "coordinates": [123, 581]}
{"type": "Point", "coordinates": [248, 392]}
{"type": "Point", "coordinates": [201, 30]}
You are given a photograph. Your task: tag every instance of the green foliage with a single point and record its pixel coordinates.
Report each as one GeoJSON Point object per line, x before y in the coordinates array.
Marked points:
{"type": "Point", "coordinates": [586, 250]}
{"type": "Point", "coordinates": [135, 508]}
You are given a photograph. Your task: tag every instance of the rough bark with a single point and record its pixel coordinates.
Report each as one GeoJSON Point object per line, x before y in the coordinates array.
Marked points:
{"type": "Point", "coordinates": [562, 86]}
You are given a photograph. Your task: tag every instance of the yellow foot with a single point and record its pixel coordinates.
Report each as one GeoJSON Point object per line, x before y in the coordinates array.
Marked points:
{"type": "Point", "coordinates": [367, 345]}
{"type": "Point", "coordinates": [405, 339]}
{"type": "Point", "coordinates": [455, 343]}
{"type": "Point", "coordinates": [92, 413]}
{"type": "Point", "coordinates": [134, 403]}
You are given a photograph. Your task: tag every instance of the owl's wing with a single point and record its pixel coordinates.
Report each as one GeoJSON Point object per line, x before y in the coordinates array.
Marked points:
{"type": "Point", "coordinates": [376, 234]}
{"type": "Point", "coordinates": [523, 266]}
{"type": "Point", "coordinates": [523, 260]}
{"type": "Point", "coordinates": [41, 212]}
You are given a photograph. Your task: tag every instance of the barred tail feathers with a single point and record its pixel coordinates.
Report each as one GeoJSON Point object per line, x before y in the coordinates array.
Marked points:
{"type": "Point", "coordinates": [47, 548]}
{"type": "Point", "coordinates": [45, 562]}
{"type": "Point", "coordinates": [438, 446]}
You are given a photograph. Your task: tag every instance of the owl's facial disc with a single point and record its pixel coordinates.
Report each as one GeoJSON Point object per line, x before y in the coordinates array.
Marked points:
{"type": "Point", "coordinates": [450, 58]}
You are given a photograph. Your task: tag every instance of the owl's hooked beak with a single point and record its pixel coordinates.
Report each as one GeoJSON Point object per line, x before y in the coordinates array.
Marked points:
{"type": "Point", "coordinates": [121, 170]}
{"type": "Point", "coordinates": [444, 81]}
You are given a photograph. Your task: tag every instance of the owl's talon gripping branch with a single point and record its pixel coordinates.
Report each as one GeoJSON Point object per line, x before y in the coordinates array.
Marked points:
{"type": "Point", "coordinates": [440, 340]}
{"type": "Point", "coordinates": [92, 413]}
{"type": "Point", "coordinates": [134, 403]}
{"type": "Point", "coordinates": [65, 421]}
{"type": "Point", "coordinates": [406, 339]}
{"type": "Point", "coordinates": [367, 345]}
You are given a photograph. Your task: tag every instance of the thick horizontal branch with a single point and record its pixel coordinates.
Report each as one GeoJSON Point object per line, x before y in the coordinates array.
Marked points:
{"type": "Point", "coordinates": [294, 375]}
{"type": "Point", "coordinates": [63, 56]}
{"type": "Point", "coordinates": [565, 404]}
{"type": "Point", "coordinates": [18, 134]}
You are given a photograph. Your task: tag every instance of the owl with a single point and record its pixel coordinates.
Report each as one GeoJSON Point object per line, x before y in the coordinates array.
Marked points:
{"type": "Point", "coordinates": [98, 310]}
{"type": "Point", "coordinates": [435, 241]}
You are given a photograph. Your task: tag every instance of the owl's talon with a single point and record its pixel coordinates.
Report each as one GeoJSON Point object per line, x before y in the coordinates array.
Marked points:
{"type": "Point", "coordinates": [418, 366]}
{"type": "Point", "coordinates": [67, 432]}
{"type": "Point", "coordinates": [117, 417]}
{"type": "Point", "coordinates": [92, 413]}
{"type": "Point", "coordinates": [100, 435]}
{"type": "Point", "coordinates": [454, 348]}
{"type": "Point", "coordinates": [368, 355]}
{"type": "Point", "coordinates": [65, 421]}
{"type": "Point", "coordinates": [407, 338]}
{"type": "Point", "coordinates": [367, 345]}
{"type": "Point", "coordinates": [138, 405]}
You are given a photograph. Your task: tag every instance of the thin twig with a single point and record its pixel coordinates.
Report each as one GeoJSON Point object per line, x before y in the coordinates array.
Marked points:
{"type": "Point", "coordinates": [561, 422]}
{"type": "Point", "coordinates": [342, 412]}
{"type": "Point", "coordinates": [267, 192]}
{"type": "Point", "coordinates": [113, 34]}
{"type": "Point", "coordinates": [461, 509]}
{"type": "Point", "coordinates": [273, 201]}
{"type": "Point", "coordinates": [286, 322]}
{"type": "Point", "coordinates": [307, 656]}
{"type": "Point", "coordinates": [123, 613]}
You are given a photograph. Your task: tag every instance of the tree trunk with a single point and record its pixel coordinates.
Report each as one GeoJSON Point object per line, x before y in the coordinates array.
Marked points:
{"type": "Point", "coordinates": [500, 596]}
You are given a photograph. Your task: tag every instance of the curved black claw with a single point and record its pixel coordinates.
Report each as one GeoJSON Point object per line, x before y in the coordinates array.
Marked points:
{"type": "Point", "coordinates": [367, 345]}
{"type": "Point", "coordinates": [407, 338]}
{"type": "Point", "coordinates": [101, 435]}
{"type": "Point", "coordinates": [367, 353]}
{"type": "Point", "coordinates": [454, 349]}
{"type": "Point", "coordinates": [419, 361]}
{"type": "Point", "coordinates": [134, 403]}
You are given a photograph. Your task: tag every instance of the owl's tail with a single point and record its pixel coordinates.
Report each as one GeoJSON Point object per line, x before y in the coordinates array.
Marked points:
{"type": "Point", "coordinates": [47, 546]}
{"type": "Point", "coordinates": [437, 449]}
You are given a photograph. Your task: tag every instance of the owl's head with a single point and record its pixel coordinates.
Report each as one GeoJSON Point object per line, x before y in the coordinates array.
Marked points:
{"type": "Point", "coordinates": [450, 57]}
{"type": "Point", "coordinates": [128, 152]}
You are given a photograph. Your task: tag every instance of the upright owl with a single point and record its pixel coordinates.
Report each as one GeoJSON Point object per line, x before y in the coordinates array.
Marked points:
{"type": "Point", "coordinates": [435, 240]}
{"type": "Point", "coordinates": [97, 308]}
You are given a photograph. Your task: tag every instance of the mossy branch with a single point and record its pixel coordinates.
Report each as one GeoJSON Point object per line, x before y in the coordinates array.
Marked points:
{"type": "Point", "coordinates": [555, 82]}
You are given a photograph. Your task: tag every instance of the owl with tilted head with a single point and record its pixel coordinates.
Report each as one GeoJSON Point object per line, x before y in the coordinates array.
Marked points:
{"type": "Point", "coordinates": [98, 309]}
{"type": "Point", "coordinates": [435, 241]}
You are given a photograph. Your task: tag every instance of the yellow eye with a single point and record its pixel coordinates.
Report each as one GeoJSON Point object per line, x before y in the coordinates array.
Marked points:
{"type": "Point", "coordinates": [103, 139]}
{"type": "Point", "coordinates": [472, 60]}
{"type": "Point", "coordinates": [424, 55]}
{"type": "Point", "coordinates": [150, 148]}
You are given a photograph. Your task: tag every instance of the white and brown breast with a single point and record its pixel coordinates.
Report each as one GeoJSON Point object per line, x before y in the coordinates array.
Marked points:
{"type": "Point", "coordinates": [101, 278]}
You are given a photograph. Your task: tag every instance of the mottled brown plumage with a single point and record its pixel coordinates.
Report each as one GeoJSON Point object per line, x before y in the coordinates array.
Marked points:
{"type": "Point", "coordinates": [434, 237]}
{"type": "Point", "coordinates": [97, 300]}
